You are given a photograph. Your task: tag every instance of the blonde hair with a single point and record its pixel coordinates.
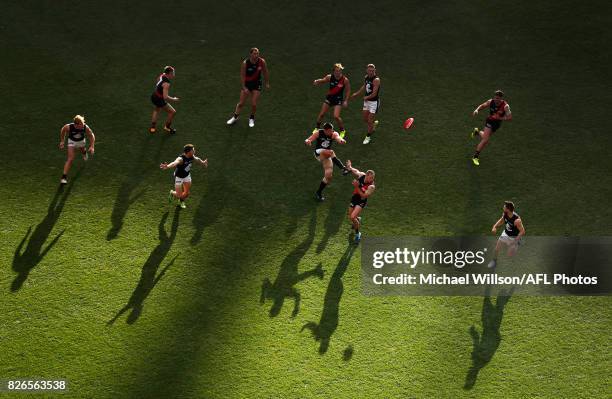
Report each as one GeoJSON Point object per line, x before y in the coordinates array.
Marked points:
{"type": "Point", "coordinates": [339, 66]}
{"type": "Point", "coordinates": [371, 66]}
{"type": "Point", "coordinates": [79, 118]}
{"type": "Point", "coordinates": [253, 49]}
{"type": "Point", "coordinates": [371, 173]}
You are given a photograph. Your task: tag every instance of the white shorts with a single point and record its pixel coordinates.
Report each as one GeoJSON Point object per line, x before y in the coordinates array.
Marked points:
{"type": "Point", "coordinates": [76, 144]}
{"type": "Point", "coordinates": [180, 180]}
{"type": "Point", "coordinates": [371, 106]}
{"type": "Point", "coordinates": [506, 239]}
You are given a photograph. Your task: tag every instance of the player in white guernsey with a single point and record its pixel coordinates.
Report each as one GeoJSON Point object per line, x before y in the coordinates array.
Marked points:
{"type": "Point", "coordinates": [76, 132]}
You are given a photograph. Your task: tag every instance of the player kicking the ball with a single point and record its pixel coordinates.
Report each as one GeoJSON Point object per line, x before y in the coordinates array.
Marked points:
{"type": "Point", "coordinates": [338, 85]}
{"type": "Point", "coordinates": [513, 231]}
{"type": "Point", "coordinates": [160, 98]}
{"type": "Point", "coordinates": [371, 101]}
{"type": "Point", "coordinates": [76, 131]}
{"type": "Point", "coordinates": [182, 174]}
{"type": "Point", "coordinates": [499, 111]}
{"type": "Point", "coordinates": [250, 77]}
{"type": "Point", "coordinates": [323, 153]}
{"type": "Point", "coordinates": [364, 188]}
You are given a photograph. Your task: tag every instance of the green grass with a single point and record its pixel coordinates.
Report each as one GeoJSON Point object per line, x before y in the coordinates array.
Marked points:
{"type": "Point", "coordinates": [201, 330]}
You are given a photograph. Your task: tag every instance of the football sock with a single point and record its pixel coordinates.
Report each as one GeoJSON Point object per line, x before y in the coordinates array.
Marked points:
{"type": "Point", "coordinates": [338, 162]}
{"type": "Point", "coordinates": [476, 154]}
{"type": "Point", "coordinates": [64, 176]}
{"type": "Point", "coordinates": [252, 116]}
{"type": "Point", "coordinates": [235, 115]}
{"type": "Point", "coordinates": [321, 187]}
{"type": "Point", "coordinates": [369, 134]}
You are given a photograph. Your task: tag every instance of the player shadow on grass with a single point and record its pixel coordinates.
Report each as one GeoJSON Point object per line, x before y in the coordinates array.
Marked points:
{"type": "Point", "coordinates": [288, 276]}
{"type": "Point", "coordinates": [125, 198]}
{"type": "Point", "coordinates": [485, 344]}
{"type": "Point", "coordinates": [328, 323]}
{"type": "Point", "coordinates": [209, 210]}
{"type": "Point", "coordinates": [24, 262]}
{"type": "Point", "coordinates": [149, 276]}
{"type": "Point", "coordinates": [333, 221]}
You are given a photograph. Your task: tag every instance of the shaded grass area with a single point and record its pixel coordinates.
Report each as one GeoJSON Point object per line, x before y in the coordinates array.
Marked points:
{"type": "Point", "coordinates": [253, 291]}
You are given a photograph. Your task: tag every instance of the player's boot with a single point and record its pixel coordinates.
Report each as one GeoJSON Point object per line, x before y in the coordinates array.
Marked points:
{"type": "Point", "coordinates": [475, 161]}
{"type": "Point", "coordinates": [367, 140]}
{"type": "Point", "coordinates": [182, 204]}
{"type": "Point", "coordinates": [63, 180]}
{"type": "Point", "coordinates": [169, 129]}
{"type": "Point", "coordinates": [251, 122]}
{"type": "Point", "coordinates": [492, 264]}
{"type": "Point", "coordinates": [342, 134]}
{"type": "Point", "coordinates": [474, 133]}
{"type": "Point", "coordinates": [152, 129]}
{"type": "Point", "coordinates": [319, 196]}
{"type": "Point", "coordinates": [357, 237]}
{"type": "Point", "coordinates": [345, 171]}
{"type": "Point", "coordinates": [232, 120]}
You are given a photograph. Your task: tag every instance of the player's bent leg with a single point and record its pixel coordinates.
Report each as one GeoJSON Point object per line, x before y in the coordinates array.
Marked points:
{"type": "Point", "coordinates": [337, 110]}
{"type": "Point", "coordinates": [171, 113]}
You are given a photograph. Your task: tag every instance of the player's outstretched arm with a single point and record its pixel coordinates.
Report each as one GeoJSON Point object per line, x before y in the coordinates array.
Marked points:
{"type": "Point", "coordinates": [311, 138]}
{"type": "Point", "coordinates": [324, 79]}
{"type": "Point", "coordinates": [349, 166]}
{"type": "Point", "coordinates": [201, 161]}
{"type": "Point", "coordinates": [63, 132]}
{"type": "Point", "coordinates": [338, 139]}
{"type": "Point", "coordinates": [358, 92]}
{"type": "Point", "coordinates": [481, 107]}
{"type": "Point", "coordinates": [173, 164]}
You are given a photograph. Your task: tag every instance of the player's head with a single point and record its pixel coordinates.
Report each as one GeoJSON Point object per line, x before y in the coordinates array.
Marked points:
{"type": "Point", "coordinates": [508, 208]}
{"type": "Point", "coordinates": [254, 52]}
{"type": "Point", "coordinates": [337, 69]}
{"type": "Point", "coordinates": [369, 176]}
{"type": "Point", "coordinates": [79, 121]}
{"type": "Point", "coordinates": [189, 149]}
{"type": "Point", "coordinates": [371, 70]}
{"type": "Point", "coordinates": [328, 128]}
{"type": "Point", "coordinates": [169, 71]}
{"type": "Point", "coordinates": [498, 96]}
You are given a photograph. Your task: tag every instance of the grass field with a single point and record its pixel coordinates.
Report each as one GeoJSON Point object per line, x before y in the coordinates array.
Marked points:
{"type": "Point", "coordinates": [104, 284]}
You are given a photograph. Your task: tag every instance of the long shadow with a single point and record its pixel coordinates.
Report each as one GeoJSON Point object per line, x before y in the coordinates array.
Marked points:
{"type": "Point", "coordinates": [125, 196]}
{"type": "Point", "coordinates": [333, 221]}
{"type": "Point", "coordinates": [149, 276]}
{"type": "Point", "coordinates": [24, 262]}
{"type": "Point", "coordinates": [485, 344]}
{"type": "Point", "coordinates": [288, 276]}
{"type": "Point", "coordinates": [328, 323]}
{"type": "Point", "coordinates": [209, 210]}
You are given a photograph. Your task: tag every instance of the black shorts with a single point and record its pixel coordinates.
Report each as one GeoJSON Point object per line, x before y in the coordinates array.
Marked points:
{"type": "Point", "coordinates": [333, 100]}
{"type": "Point", "coordinates": [493, 124]}
{"type": "Point", "coordinates": [158, 101]}
{"type": "Point", "coordinates": [357, 200]}
{"type": "Point", "coordinates": [254, 85]}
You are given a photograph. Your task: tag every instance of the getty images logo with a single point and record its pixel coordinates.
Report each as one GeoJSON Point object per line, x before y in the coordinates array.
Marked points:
{"type": "Point", "coordinates": [405, 256]}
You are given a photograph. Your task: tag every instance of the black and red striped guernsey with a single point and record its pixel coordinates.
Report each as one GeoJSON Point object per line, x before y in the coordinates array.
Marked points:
{"type": "Point", "coordinates": [253, 70]}
{"type": "Point", "coordinates": [336, 86]}
{"type": "Point", "coordinates": [496, 109]}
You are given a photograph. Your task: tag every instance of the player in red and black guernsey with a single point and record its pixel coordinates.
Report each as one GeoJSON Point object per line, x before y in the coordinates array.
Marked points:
{"type": "Point", "coordinates": [512, 234]}
{"type": "Point", "coordinates": [363, 188]}
{"type": "Point", "coordinates": [182, 173]}
{"type": "Point", "coordinates": [76, 132]}
{"type": "Point", "coordinates": [499, 111]}
{"type": "Point", "coordinates": [251, 71]}
{"type": "Point", "coordinates": [338, 85]}
{"type": "Point", "coordinates": [324, 138]}
{"type": "Point", "coordinates": [371, 100]}
{"type": "Point", "coordinates": [160, 98]}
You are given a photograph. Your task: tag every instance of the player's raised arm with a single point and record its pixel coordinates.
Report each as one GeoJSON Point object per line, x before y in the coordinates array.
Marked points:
{"type": "Point", "coordinates": [481, 107]}
{"type": "Point", "coordinates": [173, 164]}
{"type": "Point", "coordinates": [375, 86]}
{"type": "Point", "coordinates": [63, 133]}
{"type": "Point", "coordinates": [312, 137]}
{"type": "Point", "coordinates": [357, 173]}
{"type": "Point", "coordinates": [324, 79]}
{"type": "Point", "coordinates": [91, 137]}
{"type": "Point", "coordinates": [266, 73]}
{"type": "Point", "coordinates": [497, 224]}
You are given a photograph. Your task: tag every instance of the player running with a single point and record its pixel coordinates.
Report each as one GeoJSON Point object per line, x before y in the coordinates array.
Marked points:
{"type": "Point", "coordinates": [76, 131]}
{"type": "Point", "coordinates": [338, 85]}
{"type": "Point", "coordinates": [250, 76]}
{"type": "Point", "coordinates": [371, 101]}
{"type": "Point", "coordinates": [323, 153]}
{"type": "Point", "coordinates": [364, 188]}
{"type": "Point", "coordinates": [160, 98]}
{"type": "Point", "coordinates": [499, 111]}
{"type": "Point", "coordinates": [513, 231]}
{"type": "Point", "coordinates": [182, 174]}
